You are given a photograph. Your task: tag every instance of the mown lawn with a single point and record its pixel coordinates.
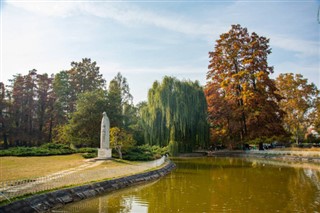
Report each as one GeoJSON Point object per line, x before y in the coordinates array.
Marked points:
{"type": "Point", "coordinates": [14, 168]}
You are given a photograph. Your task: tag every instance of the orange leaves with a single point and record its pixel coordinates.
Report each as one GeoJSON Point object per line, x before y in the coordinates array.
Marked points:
{"type": "Point", "coordinates": [239, 92]}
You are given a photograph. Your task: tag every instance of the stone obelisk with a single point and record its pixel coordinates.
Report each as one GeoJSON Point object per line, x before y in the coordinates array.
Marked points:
{"type": "Point", "coordinates": [104, 152]}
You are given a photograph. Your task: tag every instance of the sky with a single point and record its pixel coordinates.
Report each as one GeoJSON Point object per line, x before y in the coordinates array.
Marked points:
{"type": "Point", "coordinates": [146, 40]}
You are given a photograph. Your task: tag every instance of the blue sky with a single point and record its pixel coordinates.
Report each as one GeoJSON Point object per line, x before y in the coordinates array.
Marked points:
{"type": "Point", "coordinates": [145, 40]}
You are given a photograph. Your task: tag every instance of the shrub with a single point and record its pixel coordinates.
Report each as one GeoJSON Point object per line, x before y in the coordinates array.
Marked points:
{"type": "Point", "coordinates": [89, 155]}
{"type": "Point", "coordinates": [44, 150]}
{"type": "Point", "coordinates": [144, 153]}
{"type": "Point", "coordinates": [87, 150]}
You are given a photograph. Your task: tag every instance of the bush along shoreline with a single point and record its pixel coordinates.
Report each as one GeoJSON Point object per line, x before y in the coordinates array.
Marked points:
{"type": "Point", "coordinates": [137, 153]}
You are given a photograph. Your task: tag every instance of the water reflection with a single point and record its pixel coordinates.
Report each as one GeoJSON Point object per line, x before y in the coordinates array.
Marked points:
{"type": "Point", "coordinates": [217, 185]}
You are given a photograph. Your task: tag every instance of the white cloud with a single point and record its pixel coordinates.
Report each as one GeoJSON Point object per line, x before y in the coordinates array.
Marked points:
{"type": "Point", "coordinates": [289, 26]}
{"type": "Point", "coordinates": [302, 48]}
{"type": "Point", "coordinates": [41, 42]}
{"type": "Point", "coordinates": [121, 12]}
{"type": "Point", "coordinates": [309, 71]}
{"type": "Point", "coordinates": [131, 15]}
{"type": "Point", "coordinates": [111, 67]}
{"type": "Point", "coordinates": [46, 8]}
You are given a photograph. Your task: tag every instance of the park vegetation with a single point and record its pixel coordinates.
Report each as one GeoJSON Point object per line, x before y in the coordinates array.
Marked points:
{"type": "Point", "coordinates": [240, 103]}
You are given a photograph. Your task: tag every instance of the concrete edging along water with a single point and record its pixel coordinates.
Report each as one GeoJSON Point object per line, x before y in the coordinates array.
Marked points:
{"type": "Point", "coordinates": [290, 156]}
{"type": "Point", "coordinates": [56, 199]}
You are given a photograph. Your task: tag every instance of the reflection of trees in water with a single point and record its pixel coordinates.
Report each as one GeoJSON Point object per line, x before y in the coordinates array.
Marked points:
{"type": "Point", "coordinates": [314, 177]}
{"type": "Point", "coordinates": [102, 204]}
{"type": "Point", "coordinates": [304, 188]}
{"type": "Point", "coordinates": [215, 185]}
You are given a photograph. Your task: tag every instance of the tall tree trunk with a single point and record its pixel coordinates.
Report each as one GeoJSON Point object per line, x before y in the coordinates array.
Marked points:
{"type": "Point", "coordinates": [50, 129]}
{"type": "Point", "coordinates": [5, 140]}
{"type": "Point", "coordinates": [120, 153]}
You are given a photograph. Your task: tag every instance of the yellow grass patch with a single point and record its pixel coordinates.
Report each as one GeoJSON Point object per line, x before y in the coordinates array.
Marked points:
{"type": "Point", "coordinates": [17, 168]}
{"type": "Point", "coordinates": [313, 149]}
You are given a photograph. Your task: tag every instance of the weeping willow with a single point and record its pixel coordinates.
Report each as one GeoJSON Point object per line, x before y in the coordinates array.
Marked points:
{"type": "Point", "coordinates": [176, 111]}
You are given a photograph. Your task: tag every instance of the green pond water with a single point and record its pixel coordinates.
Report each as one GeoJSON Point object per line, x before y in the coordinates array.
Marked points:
{"type": "Point", "coordinates": [217, 185]}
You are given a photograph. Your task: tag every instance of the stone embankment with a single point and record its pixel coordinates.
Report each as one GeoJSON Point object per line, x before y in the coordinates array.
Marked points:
{"type": "Point", "coordinates": [293, 156]}
{"type": "Point", "coordinates": [56, 199]}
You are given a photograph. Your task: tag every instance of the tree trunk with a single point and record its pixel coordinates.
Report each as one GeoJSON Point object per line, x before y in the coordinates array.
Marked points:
{"type": "Point", "coordinates": [5, 140]}
{"type": "Point", "coordinates": [50, 130]}
{"type": "Point", "coordinates": [120, 153]}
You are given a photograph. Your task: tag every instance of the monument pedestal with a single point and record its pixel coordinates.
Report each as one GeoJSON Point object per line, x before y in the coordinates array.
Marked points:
{"type": "Point", "coordinates": [104, 154]}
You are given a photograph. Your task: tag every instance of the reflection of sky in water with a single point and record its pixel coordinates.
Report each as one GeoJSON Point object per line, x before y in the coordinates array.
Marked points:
{"type": "Point", "coordinates": [219, 185]}
{"type": "Point", "coordinates": [136, 205]}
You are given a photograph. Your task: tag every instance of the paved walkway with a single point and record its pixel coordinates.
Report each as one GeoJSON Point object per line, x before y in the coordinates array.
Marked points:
{"type": "Point", "coordinates": [90, 171]}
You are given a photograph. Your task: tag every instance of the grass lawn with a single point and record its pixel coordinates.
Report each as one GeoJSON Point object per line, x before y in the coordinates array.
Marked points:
{"type": "Point", "coordinates": [14, 168]}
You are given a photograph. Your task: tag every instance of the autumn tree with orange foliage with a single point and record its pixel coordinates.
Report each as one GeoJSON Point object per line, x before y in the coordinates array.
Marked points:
{"type": "Point", "coordinates": [299, 101]}
{"type": "Point", "coordinates": [242, 99]}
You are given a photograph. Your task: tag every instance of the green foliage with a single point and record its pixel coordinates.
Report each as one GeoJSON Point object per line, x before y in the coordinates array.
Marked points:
{"type": "Point", "coordinates": [173, 148]}
{"type": "Point", "coordinates": [89, 155]}
{"type": "Point", "coordinates": [84, 76]}
{"type": "Point", "coordinates": [144, 153]}
{"type": "Point", "coordinates": [44, 150]}
{"type": "Point", "coordinates": [299, 102]}
{"type": "Point", "coordinates": [119, 102]}
{"type": "Point", "coordinates": [121, 140]}
{"type": "Point", "coordinates": [84, 126]}
{"type": "Point", "coordinates": [49, 149]}
{"type": "Point", "coordinates": [83, 129]}
{"type": "Point", "coordinates": [176, 110]}
{"type": "Point", "coordinates": [87, 150]}
{"type": "Point", "coordinates": [52, 146]}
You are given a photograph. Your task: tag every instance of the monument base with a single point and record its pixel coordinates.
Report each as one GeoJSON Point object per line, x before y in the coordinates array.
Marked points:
{"type": "Point", "coordinates": [104, 154]}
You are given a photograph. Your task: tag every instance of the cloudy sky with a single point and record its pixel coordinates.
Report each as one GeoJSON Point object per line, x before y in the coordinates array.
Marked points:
{"type": "Point", "coordinates": [145, 40]}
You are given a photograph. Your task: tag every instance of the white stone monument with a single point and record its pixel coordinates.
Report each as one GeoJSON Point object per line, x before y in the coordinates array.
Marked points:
{"type": "Point", "coordinates": [105, 152]}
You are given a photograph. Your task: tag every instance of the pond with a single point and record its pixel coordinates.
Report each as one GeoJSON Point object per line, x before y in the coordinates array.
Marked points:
{"type": "Point", "coordinates": [221, 184]}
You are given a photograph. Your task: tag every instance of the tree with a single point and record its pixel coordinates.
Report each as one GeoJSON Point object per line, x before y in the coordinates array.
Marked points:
{"type": "Point", "coordinates": [242, 99]}
{"type": "Point", "coordinates": [120, 139]}
{"type": "Point", "coordinates": [135, 123]}
{"type": "Point", "coordinates": [317, 115]}
{"type": "Point", "coordinates": [23, 109]}
{"type": "Point", "coordinates": [44, 106]}
{"type": "Point", "coordinates": [29, 106]}
{"type": "Point", "coordinates": [119, 102]}
{"type": "Point", "coordinates": [4, 121]}
{"type": "Point", "coordinates": [176, 111]}
{"type": "Point", "coordinates": [83, 77]}
{"type": "Point", "coordinates": [299, 101]}
{"type": "Point", "coordinates": [84, 127]}
{"type": "Point", "coordinates": [64, 104]}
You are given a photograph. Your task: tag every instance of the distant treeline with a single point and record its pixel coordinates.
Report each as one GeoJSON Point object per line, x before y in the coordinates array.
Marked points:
{"type": "Point", "coordinates": [67, 108]}
{"type": "Point", "coordinates": [239, 104]}
{"type": "Point", "coordinates": [35, 107]}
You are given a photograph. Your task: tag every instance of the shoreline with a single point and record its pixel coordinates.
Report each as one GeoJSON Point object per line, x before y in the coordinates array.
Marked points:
{"type": "Point", "coordinates": [55, 199]}
{"type": "Point", "coordinates": [278, 155]}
